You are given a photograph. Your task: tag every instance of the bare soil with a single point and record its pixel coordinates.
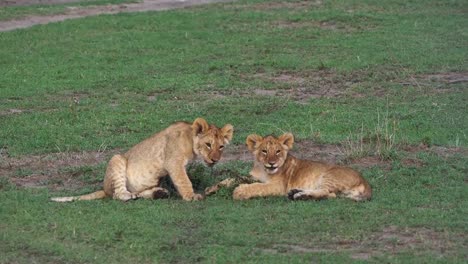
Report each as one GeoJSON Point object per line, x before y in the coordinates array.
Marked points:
{"type": "Point", "coordinates": [328, 83]}
{"type": "Point", "coordinates": [438, 79]}
{"type": "Point", "coordinates": [54, 171]}
{"type": "Point", "coordinates": [34, 2]}
{"type": "Point", "coordinates": [286, 5]}
{"type": "Point", "coordinates": [300, 87]}
{"type": "Point", "coordinates": [57, 171]}
{"type": "Point", "coordinates": [390, 240]}
{"type": "Point", "coordinates": [79, 12]}
{"type": "Point", "coordinates": [303, 86]}
{"type": "Point", "coordinates": [330, 25]}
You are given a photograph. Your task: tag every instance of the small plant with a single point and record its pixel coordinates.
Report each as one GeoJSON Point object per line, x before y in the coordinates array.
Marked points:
{"type": "Point", "coordinates": [385, 133]}
{"type": "Point", "coordinates": [356, 147]}
{"type": "Point", "coordinates": [381, 141]}
{"type": "Point", "coordinates": [74, 106]}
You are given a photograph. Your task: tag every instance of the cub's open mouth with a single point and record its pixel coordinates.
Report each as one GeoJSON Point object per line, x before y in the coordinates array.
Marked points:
{"type": "Point", "coordinates": [271, 168]}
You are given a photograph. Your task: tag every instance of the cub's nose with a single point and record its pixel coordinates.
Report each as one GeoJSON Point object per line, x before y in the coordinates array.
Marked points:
{"type": "Point", "coordinates": [214, 160]}
{"type": "Point", "coordinates": [271, 163]}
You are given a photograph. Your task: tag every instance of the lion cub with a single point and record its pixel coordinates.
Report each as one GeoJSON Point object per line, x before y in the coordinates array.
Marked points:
{"type": "Point", "coordinates": [280, 173]}
{"type": "Point", "coordinates": [137, 173]}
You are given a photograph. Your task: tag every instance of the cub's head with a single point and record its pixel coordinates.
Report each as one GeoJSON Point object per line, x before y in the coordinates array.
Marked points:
{"type": "Point", "coordinates": [270, 151]}
{"type": "Point", "coordinates": [209, 141]}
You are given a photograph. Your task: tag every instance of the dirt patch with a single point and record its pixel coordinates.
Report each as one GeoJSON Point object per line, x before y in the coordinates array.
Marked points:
{"type": "Point", "coordinates": [55, 171]}
{"type": "Point", "coordinates": [63, 170]}
{"type": "Point", "coordinates": [391, 240]}
{"type": "Point", "coordinates": [302, 86]}
{"type": "Point", "coordinates": [371, 161]}
{"type": "Point", "coordinates": [35, 2]}
{"type": "Point", "coordinates": [327, 83]}
{"type": "Point", "coordinates": [284, 5]}
{"type": "Point", "coordinates": [79, 12]}
{"type": "Point", "coordinates": [413, 162]}
{"type": "Point", "coordinates": [395, 239]}
{"type": "Point", "coordinates": [448, 77]}
{"type": "Point", "coordinates": [324, 82]}
{"type": "Point", "coordinates": [12, 111]}
{"type": "Point", "coordinates": [325, 25]}
{"type": "Point", "coordinates": [436, 82]}
{"type": "Point", "coordinates": [439, 150]}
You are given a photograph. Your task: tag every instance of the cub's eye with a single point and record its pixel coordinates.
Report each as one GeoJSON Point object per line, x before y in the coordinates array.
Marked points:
{"type": "Point", "coordinates": [278, 152]}
{"type": "Point", "coordinates": [208, 145]}
{"type": "Point", "coordinates": [264, 152]}
{"type": "Point", "coordinates": [221, 147]}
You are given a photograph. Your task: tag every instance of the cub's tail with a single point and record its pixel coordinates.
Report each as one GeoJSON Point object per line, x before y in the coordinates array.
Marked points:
{"type": "Point", "coordinates": [92, 196]}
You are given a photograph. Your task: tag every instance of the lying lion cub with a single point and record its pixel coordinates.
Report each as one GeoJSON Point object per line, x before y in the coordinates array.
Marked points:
{"type": "Point", "coordinates": [137, 173]}
{"type": "Point", "coordinates": [280, 173]}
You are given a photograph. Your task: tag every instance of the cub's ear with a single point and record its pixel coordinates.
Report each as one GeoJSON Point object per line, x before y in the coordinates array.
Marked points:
{"type": "Point", "coordinates": [227, 131]}
{"type": "Point", "coordinates": [199, 126]}
{"type": "Point", "coordinates": [287, 140]}
{"type": "Point", "coordinates": [252, 141]}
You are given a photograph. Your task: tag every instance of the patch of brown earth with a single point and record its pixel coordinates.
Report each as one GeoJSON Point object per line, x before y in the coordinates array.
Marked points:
{"type": "Point", "coordinates": [303, 86]}
{"type": "Point", "coordinates": [307, 149]}
{"type": "Point", "coordinates": [61, 170]}
{"type": "Point", "coordinates": [72, 98]}
{"type": "Point", "coordinates": [271, 5]}
{"type": "Point", "coordinates": [327, 83]}
{"type": "Point", "coordinates": [390, 240]}
{"type": "Point", "coordinates": [439, 150]}
{"type": "Point", "coordinates": [56, 171]}
{"type": "Point", "coordinates": [412, 162]}
{"type": "Point", "coordinates": [35, 2]}
{"type": "Point", "coordinates": [15, 111]}
{"type": "Point", "coordinates": [395, 239]}
{"type": "Point", "coordinates": [12, 111]}
{"type": "Point", "coordinates": [448, 77]}
{"type": "Point", "coordinates": [372, 161]}
{"type": "Point", "coordinates": [325, 25]}
{"type": "Point", "coordinates": [79, 12]}
{"type": "Point", "coordinates": [436, 82]}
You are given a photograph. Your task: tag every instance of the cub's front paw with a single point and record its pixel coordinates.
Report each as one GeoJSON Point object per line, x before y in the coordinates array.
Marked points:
{"type": "Point", "coordinates": [197, 197]}
{"type": "Point", "coordinates": [240, 193]}
{"type": "Point", "coordinates": [292, 194]}
{"type": "Point", "coordinates": [125, 196]}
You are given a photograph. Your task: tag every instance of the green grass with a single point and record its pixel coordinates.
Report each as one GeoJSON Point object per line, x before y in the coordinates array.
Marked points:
{"type": "Point", "coordinates": [18, 12]}
{"type": "Point", "coordinates": [220, 230]}
{"type": "Point", "coordinates": [135, 73]}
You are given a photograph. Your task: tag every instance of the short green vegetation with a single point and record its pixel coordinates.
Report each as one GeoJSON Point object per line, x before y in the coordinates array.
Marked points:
{"type": "Point", "coordinates": [382, 80]}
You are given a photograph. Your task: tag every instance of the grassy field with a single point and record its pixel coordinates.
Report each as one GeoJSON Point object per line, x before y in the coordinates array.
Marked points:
{"type": "Point", "coordinates": [21, 11]}
{"type": "Point", "coordinates": [378, 85]}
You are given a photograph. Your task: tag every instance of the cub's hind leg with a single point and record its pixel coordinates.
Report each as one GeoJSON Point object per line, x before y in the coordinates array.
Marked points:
{"type": "Point", "coordinates": [154, 193]}
{"type": "Point", "coordinates": [115, 181]}
{"type": "Point", "coordinates": [316, 194]}
{"type": "Point", "coordinates": [362, 192]}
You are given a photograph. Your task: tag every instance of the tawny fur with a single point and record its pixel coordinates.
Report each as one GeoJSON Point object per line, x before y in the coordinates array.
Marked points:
{"type": "Point", "coordinates": [137, 173]}
{"type": "Point", "coordinates": [281, 174]}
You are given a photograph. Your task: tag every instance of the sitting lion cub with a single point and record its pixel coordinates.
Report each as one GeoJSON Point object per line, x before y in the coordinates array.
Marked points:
{"type": "Point", "coordinates": [280, 173]}
{"type": "Point", "coordinates": [137, 173]}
